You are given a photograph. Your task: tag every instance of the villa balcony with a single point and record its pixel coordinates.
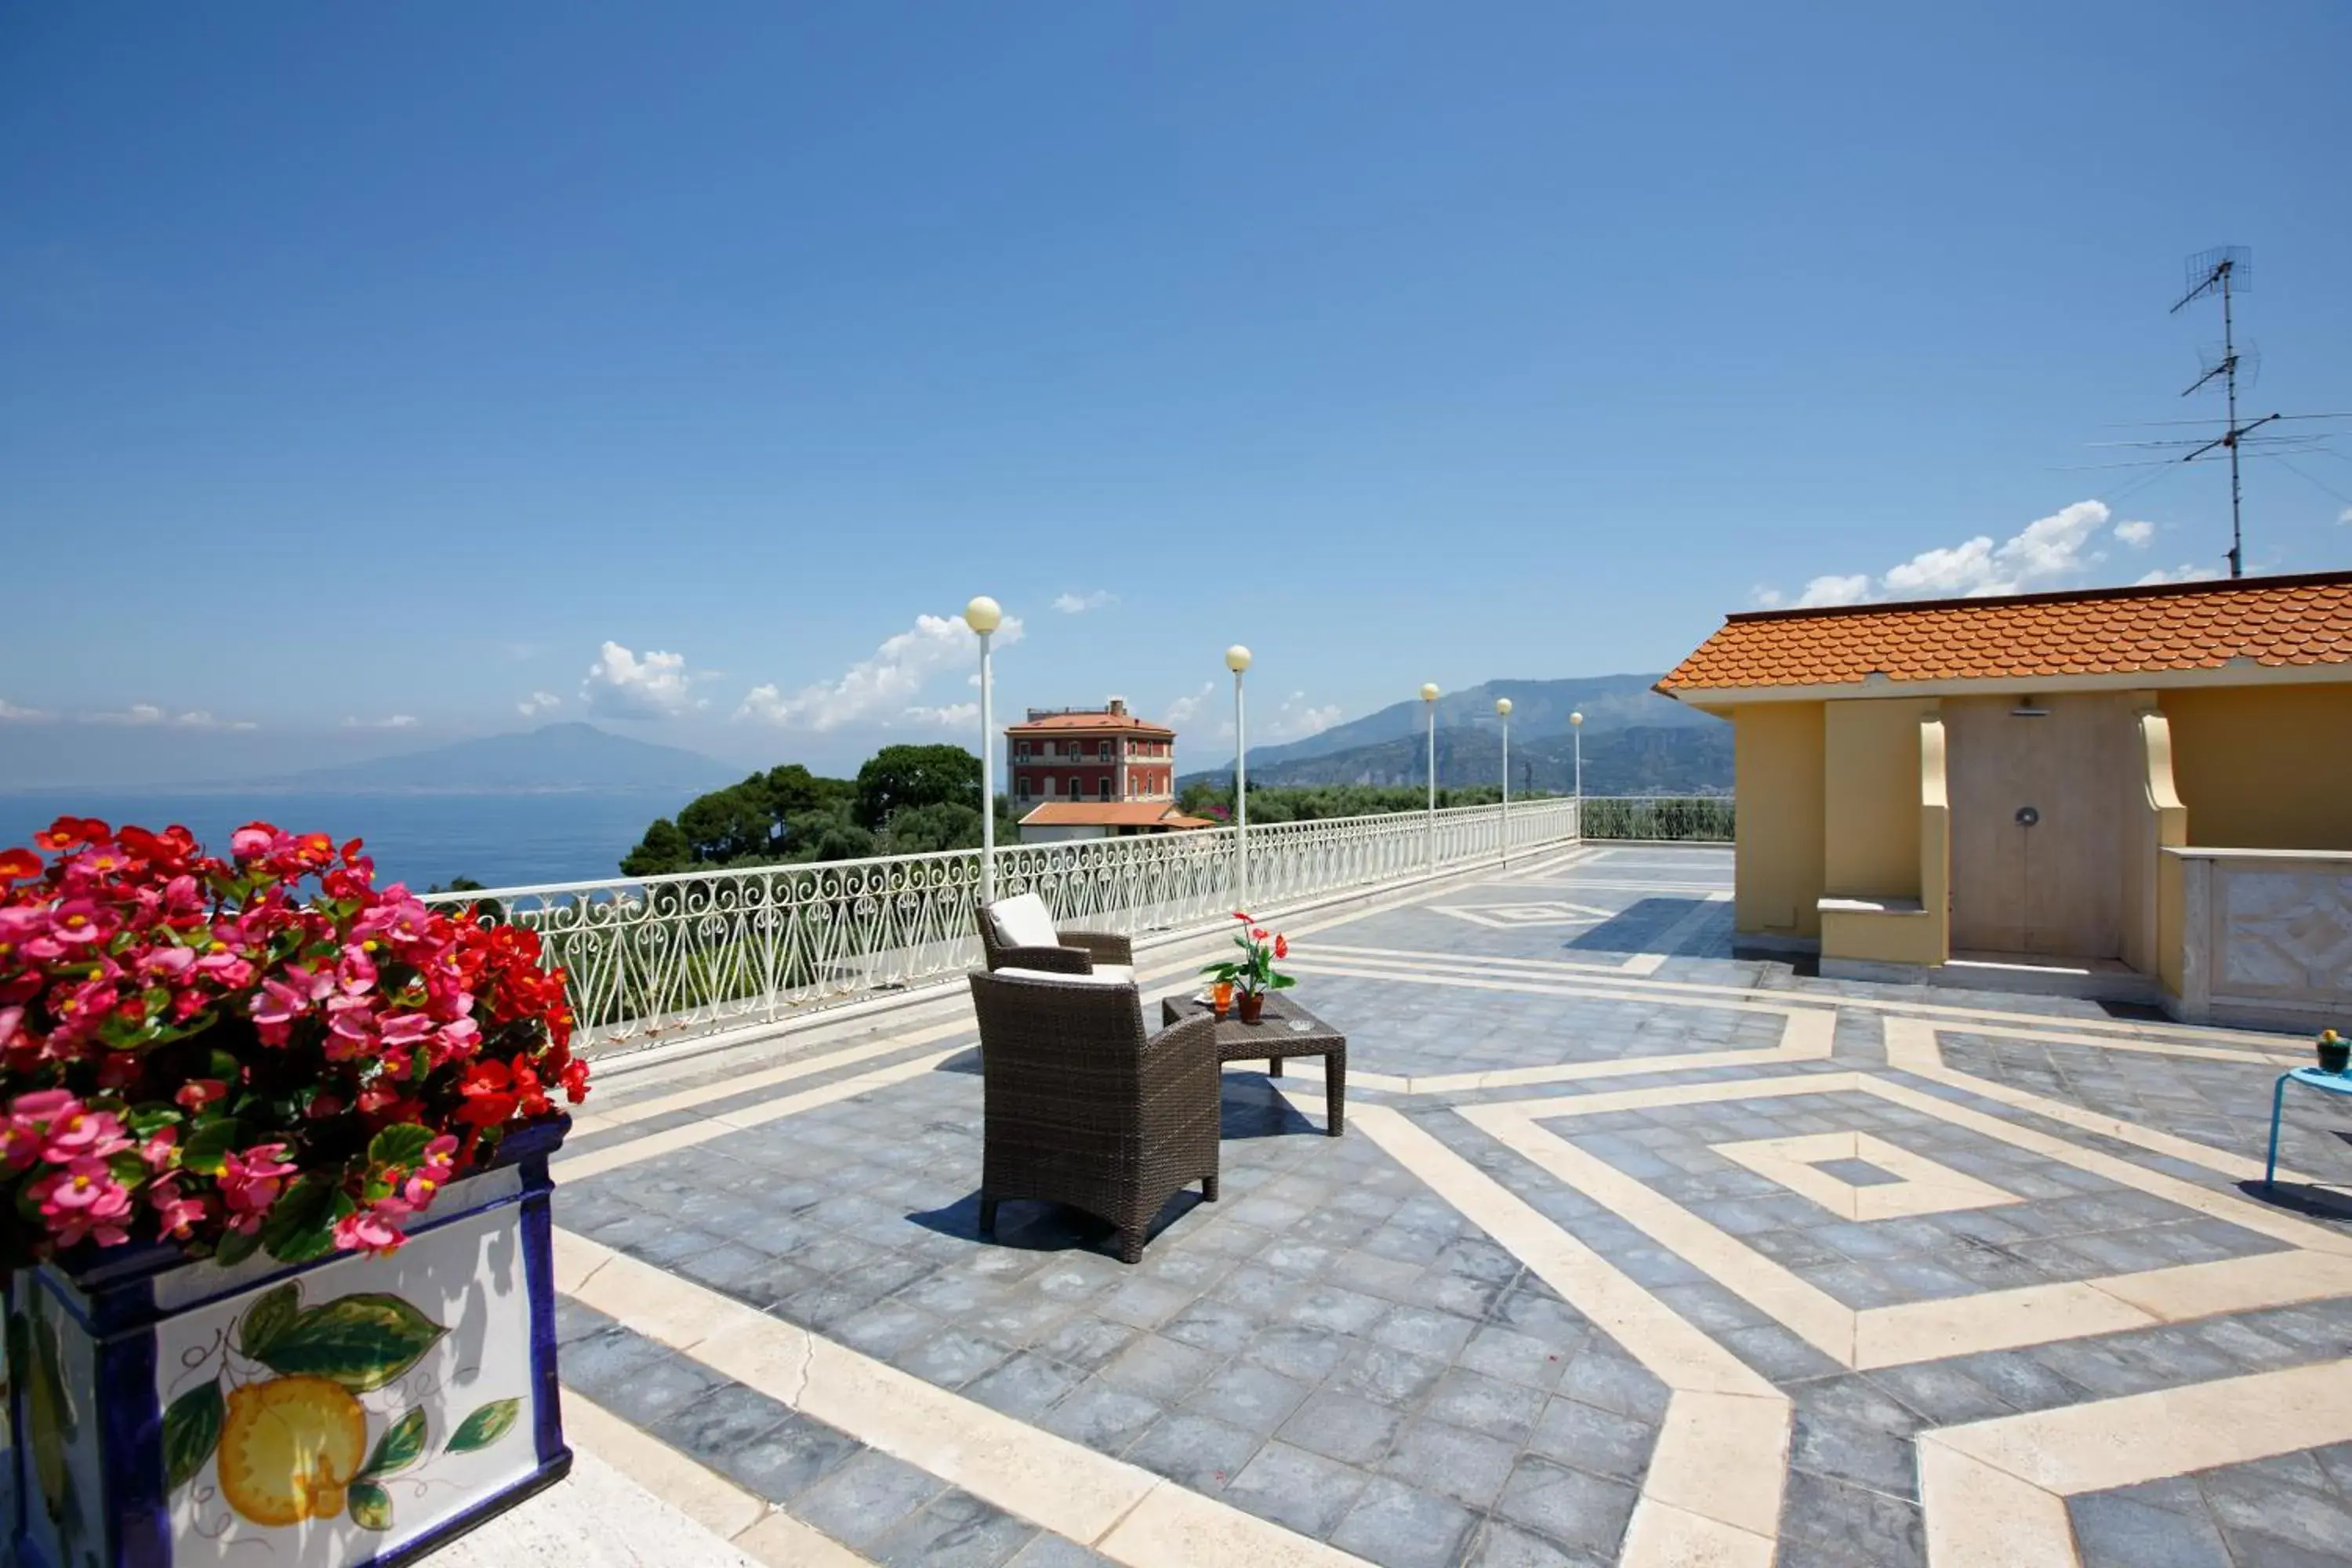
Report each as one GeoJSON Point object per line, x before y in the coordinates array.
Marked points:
{"type": "Point", "coordinates": [1640, 1246]}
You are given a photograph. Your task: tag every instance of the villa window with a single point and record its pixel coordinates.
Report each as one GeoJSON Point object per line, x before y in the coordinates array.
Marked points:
{"type": "Point", "coordinates": [1051, 784]}
{"type": "Point", "coordinates": [1106, 789]}
{"type": "Point", "coordinates": [1103, 751]}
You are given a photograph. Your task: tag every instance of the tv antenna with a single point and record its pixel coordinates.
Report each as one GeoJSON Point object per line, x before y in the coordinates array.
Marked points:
{"type": "Point", "coordinates": [2226, 270]}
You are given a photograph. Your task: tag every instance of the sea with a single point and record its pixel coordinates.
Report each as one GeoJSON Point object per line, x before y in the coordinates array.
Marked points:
{"type": "Point", "coordinates": [499, 840]}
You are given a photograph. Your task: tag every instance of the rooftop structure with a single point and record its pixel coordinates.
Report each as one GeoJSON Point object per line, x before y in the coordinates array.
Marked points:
{"type": "Point", "coordinates": [1106, 757]}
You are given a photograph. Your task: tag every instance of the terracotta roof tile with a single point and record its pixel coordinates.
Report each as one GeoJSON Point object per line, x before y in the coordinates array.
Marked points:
{"type": "Point", "coordinates": [2267, 621]}
{"type": "Point", "coordinates": [1111, 814]}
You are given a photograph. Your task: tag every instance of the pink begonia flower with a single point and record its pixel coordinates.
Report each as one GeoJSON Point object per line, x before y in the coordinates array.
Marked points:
{"type": "Point", "coordinates": [459, 1038]}
{"type": "Point", "coordinates": [84, 1183]}
{"type": "Point", "coordinates": [199, 1092]}
{"type": "Point", "coordinates": [43, 949]}
{"type": "Point", "coordinates": [42, 1104]}
{"type": "Point", "coordinates": [431, 1176]}
{"type": "Point", "coordinates": [226, 970]}
{"type": "Point", "coordinates": [368, 1230]}
{"type": "Point", "coordinates": [183, 894]}
{"type": "Point", "coordinates": [158, 1148]}
{"type": "Point", "coordinates": [100, 1219]}
{"type": "Point", "coordinates": [12, 1026]}
{"type": "Point", "coordinates": [167, 963]}
{"type": "Point", "coordinates": [176, 1212]}
{"type": "Point", "coordinates": [20, 921]}
{"type": "Point", "coordinates": [401, 1030]}
{"type": "Point", "coordinates": [356, 972]}
{"type": "Point", "coordinates": [83, 1134]}
{"type": "Point", "coordinates": [249, 842]}
{"type": "Point", "coordinates": [79, 920]}
{"type": "Point", "coordinates": [250, 1183]}
{"type": "Point", "coordinates": [350, 1028]}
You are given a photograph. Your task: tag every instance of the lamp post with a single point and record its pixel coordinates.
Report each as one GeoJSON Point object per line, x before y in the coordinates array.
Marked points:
{"type": "Point", "coordinates": [1576, 728]}
{"type": "Point", "coordinates": [1237, 659]}
{"type": "Point", "coordinates": [983, 615]}
{"type": "Point", "coordinates": [1428, 698]}
{"type": "Point", "coordinates": [1503, 712]}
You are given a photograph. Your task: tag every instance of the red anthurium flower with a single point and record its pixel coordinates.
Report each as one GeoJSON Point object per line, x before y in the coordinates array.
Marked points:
{"type": "Point", "coordinates": [1281, 945]}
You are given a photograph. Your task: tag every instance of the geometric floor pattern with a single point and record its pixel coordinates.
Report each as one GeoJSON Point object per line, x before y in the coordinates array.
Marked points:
{"type": "Point", "coordinates": [1637, 1250]}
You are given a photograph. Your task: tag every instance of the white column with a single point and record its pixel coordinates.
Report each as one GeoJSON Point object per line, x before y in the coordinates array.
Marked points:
{"type": "Point", "coordinates": [1503, 712]}
{"type": "Point", "coordinates": [1429, 698]}
{"type": "Point", "coordinates": [1237, 659]}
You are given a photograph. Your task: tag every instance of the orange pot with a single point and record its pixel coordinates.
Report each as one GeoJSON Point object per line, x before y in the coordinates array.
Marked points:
{"type": "Point", "coordinates": [1253, 1003]}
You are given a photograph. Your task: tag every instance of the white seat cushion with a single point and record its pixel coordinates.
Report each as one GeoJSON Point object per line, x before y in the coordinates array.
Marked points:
{"type": "Point", "coordinates": [1109, 974]}
{"type": "Point", "coordinates": [1024, 921]}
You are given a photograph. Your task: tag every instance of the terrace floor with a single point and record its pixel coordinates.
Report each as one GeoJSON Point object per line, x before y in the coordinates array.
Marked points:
{"type": "Point", "coordinates": [1635, 1252]}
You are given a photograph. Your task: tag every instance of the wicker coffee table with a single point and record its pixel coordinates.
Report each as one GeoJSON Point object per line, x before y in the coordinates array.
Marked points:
{"type": "Point", "coordinates": [1284, 1030]}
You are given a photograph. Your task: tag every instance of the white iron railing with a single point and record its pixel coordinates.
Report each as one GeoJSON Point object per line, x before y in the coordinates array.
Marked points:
{"type": "Point", "coordinates": [700, 952]}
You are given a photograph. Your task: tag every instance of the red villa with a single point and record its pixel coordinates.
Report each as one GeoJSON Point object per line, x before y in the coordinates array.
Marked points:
{"type": "Point", "coordinates": [1093, 773]}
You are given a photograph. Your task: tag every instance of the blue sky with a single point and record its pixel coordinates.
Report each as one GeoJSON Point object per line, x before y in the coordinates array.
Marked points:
{"type": "Point", "coordinates": [371, 363]}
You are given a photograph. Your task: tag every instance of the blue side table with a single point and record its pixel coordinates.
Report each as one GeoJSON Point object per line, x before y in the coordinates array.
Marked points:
{"type": "Point", "coordinates": [2310, 1077]}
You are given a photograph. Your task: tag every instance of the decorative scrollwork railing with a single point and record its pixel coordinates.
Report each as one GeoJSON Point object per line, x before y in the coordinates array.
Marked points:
{"type": "Point", "coordinates": [699, 952]}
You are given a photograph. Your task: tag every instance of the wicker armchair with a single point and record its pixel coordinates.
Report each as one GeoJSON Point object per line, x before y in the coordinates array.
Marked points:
{"type": "Point", "coordinates": [1083, 1108]}
{"type": "Point", "coordinates": [1076, 953]}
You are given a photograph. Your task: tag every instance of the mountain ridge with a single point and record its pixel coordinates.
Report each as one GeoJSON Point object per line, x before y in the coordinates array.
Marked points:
{"type": "Point", "coordinates": [567, 758]}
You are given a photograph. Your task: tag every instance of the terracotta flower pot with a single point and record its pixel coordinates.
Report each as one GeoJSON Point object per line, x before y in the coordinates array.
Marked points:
{"type": "Point", "coordinates": [1252, 1003]}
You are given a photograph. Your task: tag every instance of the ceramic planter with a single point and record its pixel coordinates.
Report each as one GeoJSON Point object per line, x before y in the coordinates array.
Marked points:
{"type": "Point", "coordinates": [348, 1412]}
{"type": "Point", "coordinates": [2335, 1055]}
{"type": "Point", "coordinates": [1253, 1005]}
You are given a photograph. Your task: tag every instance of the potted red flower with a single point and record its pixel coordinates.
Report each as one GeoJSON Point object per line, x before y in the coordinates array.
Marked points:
{"type": "Point", "coordinates": [273, 1147]}
{"type": "Point", "coordinates": [1252, 975]}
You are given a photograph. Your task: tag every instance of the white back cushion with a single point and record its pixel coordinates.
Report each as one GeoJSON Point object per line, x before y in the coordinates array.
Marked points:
{"type": "Point", "coordinates": [1114, 975]}
{"type": "Point", "coordinates": [1023, 922]}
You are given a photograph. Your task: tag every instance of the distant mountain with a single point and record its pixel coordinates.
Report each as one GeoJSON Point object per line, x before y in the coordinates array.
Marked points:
{"type": "Point", "coordinates": [554, 758]}
{"type": "Point", "coordinates": [1538, 708]}
{"type": "Point", "coordinates": [1646, 759]}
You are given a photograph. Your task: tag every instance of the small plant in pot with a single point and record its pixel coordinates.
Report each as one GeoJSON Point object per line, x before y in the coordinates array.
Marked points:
{"type": "Point", "coordinates": [2335, 1051]}
{"type": "Point", "coordinates": [1252, 975]}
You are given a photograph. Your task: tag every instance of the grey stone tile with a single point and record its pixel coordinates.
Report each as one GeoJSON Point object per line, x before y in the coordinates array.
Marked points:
{"type": "Point", "coordinates": [1053, 1552]}
{"type": "Point", "coordinates": [2246, 1502]}
{"type": "Point", "coordinates": [866, 1499]}
{"type": "Point", "coordinates": [1501, 1545]}
{"type": "Point", "coordinates": [1616, 1385]}
{"type": "Point", "coordinates": [1477, 1403]}
{"type": "Point", "coordinates": [788, 1459]}
{"type": "Point", "coordinates": [1584, 1438]}
{"type": "Point", "coordinates": [654, 1389]}
{"type": "Point", "coordinates": [1425, 1332]}
{"type": "Point", "coordinates": [1212, 1325]}
{"type": "Point", "coordinates": [1087, 1343]}
{"type": "Point", "coordinates": [1342, 1426]}
{"type": "Point", "coordinates": [956, 1531]}
{"type": "Point", "coordinates": [1514, 1357]}
{"type": "Point", "coordinates": [720, 1421]}
{"type": "Point", "coordinates": [1399, 1526]}
{"type": "Point", "coordinates": [1160, 1369]}
{"type": "Point", "coordinates": [1387, 1376]}
{"type": "Point", "coordinates": [1306, 1354]}
{"type": "Point", "coordinates": [1307, 1492]}
{"type": "Point", "coordinates": [1334, 1311]}
{"type": "Point", "coordinates": [1465, 1465]}
{"type": "Point", "coordinates": [950, 1357]}
{"type": "Point", "coordinates": [1583, 1511]}
{"type": "Point", "coordinates": [1841, 1526]}
{"type": "Point", "coordinates": [1195, 1451]}
{"type": "Point", "coordinates": [1102, 1417]}
{"type": "Point", "coordinates": [2112, 1533]}
{"type": "Point", "coordinates": [604, 1358]}
{"type": "Point", "coordinates": [1246, 1395]}
{"type": "Point", "coordinates": [1025, 1386]}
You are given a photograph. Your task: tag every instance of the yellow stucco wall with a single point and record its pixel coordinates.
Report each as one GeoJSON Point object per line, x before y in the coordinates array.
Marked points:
{"type": "Point", "coordinates": [2264, 767]}
{"type": "Point", "coordinates": [1870, 798]}
{"type": "Point", "coordinates": [1777, 762]}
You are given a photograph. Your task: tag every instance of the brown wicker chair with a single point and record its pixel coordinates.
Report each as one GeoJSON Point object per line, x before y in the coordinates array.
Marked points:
{"type": "Point", "coordinates": [1083, 1108]}
{"type": "Point", "coordinates": [1079, 953]}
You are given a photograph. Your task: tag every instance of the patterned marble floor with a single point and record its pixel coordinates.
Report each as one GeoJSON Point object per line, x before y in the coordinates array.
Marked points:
{"type": "Point", "coordinates": [1637, 1250]}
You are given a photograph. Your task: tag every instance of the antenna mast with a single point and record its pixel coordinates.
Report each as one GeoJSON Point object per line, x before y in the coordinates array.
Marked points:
{"type": "Point", "coordinates": [2223, 271]}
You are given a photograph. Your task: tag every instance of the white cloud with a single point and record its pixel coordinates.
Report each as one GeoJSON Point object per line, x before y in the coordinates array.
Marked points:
{"type": "Point", "coordinates": [539, 702]}
{"type": "Point", "coordinates": [620, 685]}
{"type": "Point", "coordinates": [2185, 572]}
{"type": "Point", "coordinates": [149, 713]}
{"type": "Point", "coordinates": [953, 716]}
{"type": "Point", "coordinates": [1764, 596]}
{"type": "Point", "coordinates": [1823, 591]}
{"type": "Point", "coordinates": [2053, 552]}
{"type": "Point", "coordinates": [1182, 710]}
{"type": "Point", "coordinates": [9, 710]}
{"type": "Point", "coordinates": [2345, 516]}
{"type": "Point", "coordinates": [880, 689]}
{"type": "Point", "coordinates": [1292, 719]}
{"type": "Point", "coordinates": [391, 721]}
{"type": "Point", "coordinates": [1080, 604]}
{"type": "Point", "coordinates": [137, 713]}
